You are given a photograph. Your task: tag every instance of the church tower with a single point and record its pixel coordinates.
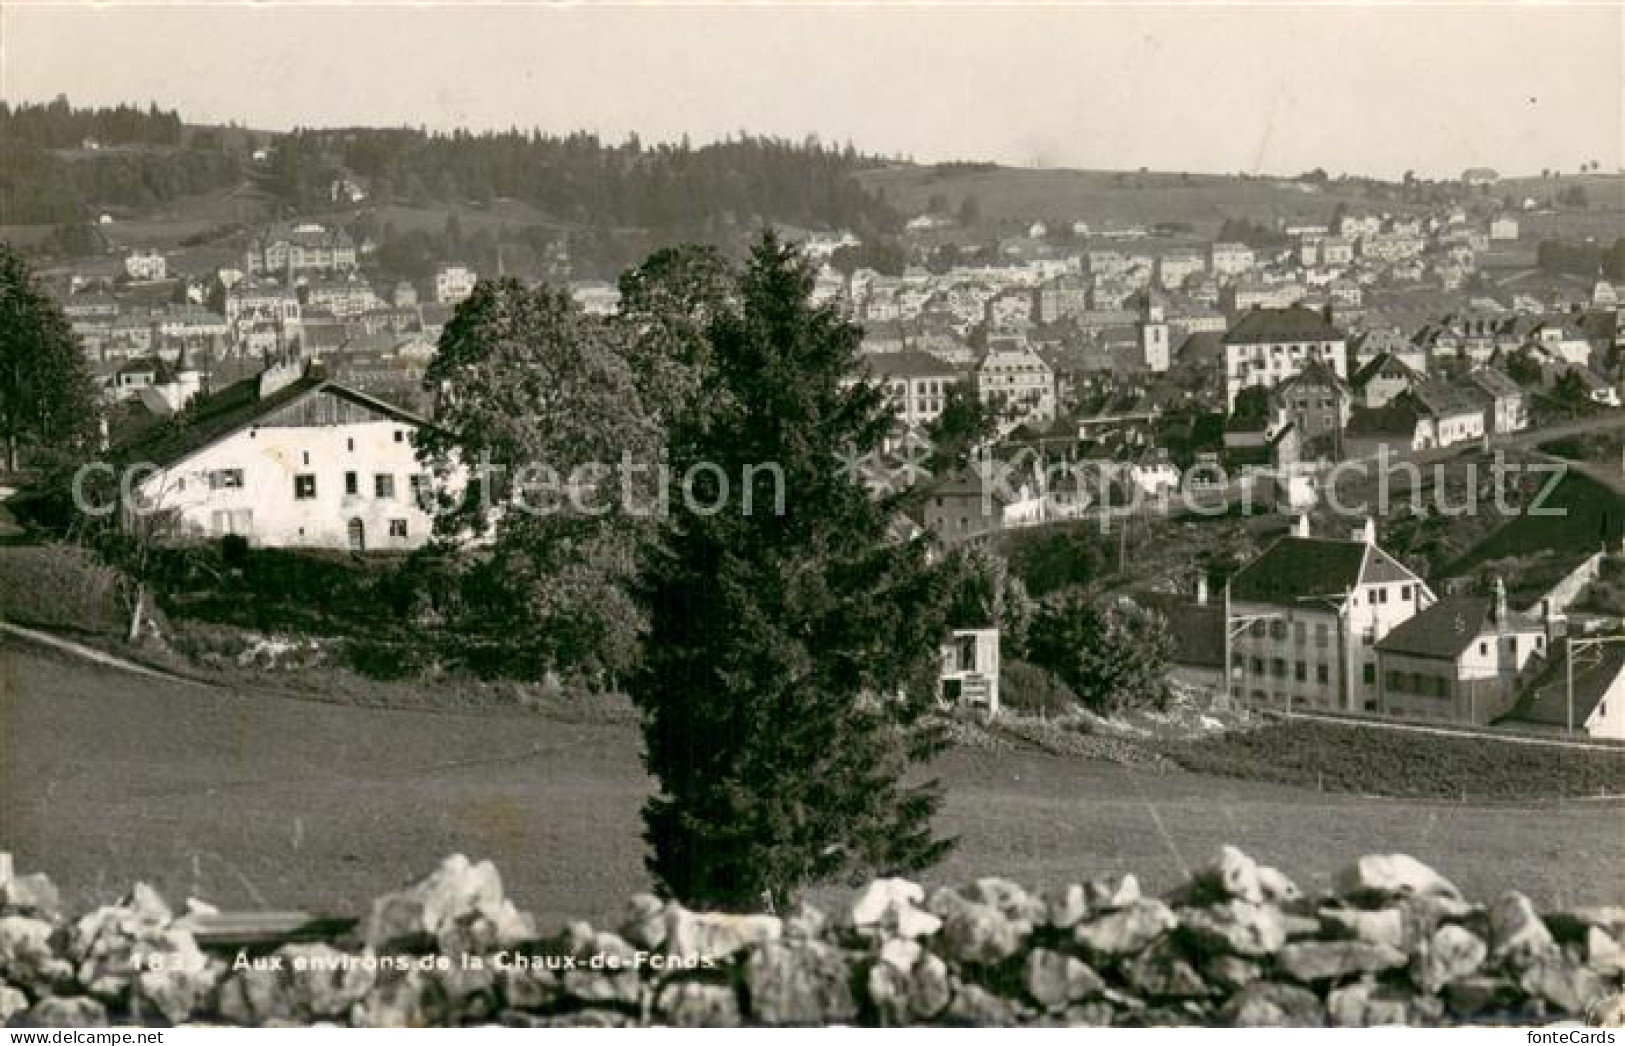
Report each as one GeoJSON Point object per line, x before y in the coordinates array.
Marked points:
{"type": "Point", "coordinates": [1155, 352]}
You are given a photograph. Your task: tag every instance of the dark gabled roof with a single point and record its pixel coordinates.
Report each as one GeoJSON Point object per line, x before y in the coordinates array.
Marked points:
{"type": "Point", "coordinates": [235, 407]}
{"type": "Point", "coordinates": [1293, 323]}
{"type": "Point", "coordinates": [1384, 362]}
{"type": "Point", "coordinates": [1441, 398]}
{"type": "Point", "coordinates": [1296, 568]}
{"type": "Point", "coordinates": [1197, 630]}
{"type": "Point", "coordinates": [1450, 626]}
{"type": "Point", "coordinates": [147, 365]}
{"type": "Point", "coordinates": [1315, 374]}
{"type": "Point", "coordinates": [971, 483]}
{"type": "Point", "coordinates": [1546, 703]}
{"type": "Point", "coordinates": [1494, 382]}
{"type": "Point", "coordinates": [1202, 347]}
{"type": "Point", "coordinates": [909, 363]}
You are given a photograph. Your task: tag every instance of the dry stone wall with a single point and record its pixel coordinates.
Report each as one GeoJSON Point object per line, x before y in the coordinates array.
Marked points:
{"type": "Point", "coordinates": [1239, 944]}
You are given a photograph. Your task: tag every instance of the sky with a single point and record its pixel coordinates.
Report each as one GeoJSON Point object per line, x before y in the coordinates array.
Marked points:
{"type": "Point", "coordinates": [1259, 88]}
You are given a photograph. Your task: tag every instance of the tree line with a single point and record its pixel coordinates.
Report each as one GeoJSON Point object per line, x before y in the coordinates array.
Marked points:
{"type": "Point", "coordinates": [676, 189]}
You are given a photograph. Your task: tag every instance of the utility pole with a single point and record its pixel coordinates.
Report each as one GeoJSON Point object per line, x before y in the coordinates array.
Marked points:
{"type": "Point", "coordinates": [1575, 648]}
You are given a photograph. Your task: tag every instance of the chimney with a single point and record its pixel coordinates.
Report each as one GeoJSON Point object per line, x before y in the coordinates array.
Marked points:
{"type": "Point", "coordinates": [1366, 532]}
{"type": "Point", "coordinates": [1500, 602]}
{"type": "Point", "coordinates": [1556, 626]}
{"type": "Point", "coordinates": [1300, 526]}
{"type": "Point", "coordinates": [1201, 590]}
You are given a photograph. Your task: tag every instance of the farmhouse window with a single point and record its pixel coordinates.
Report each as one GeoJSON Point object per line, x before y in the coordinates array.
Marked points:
{"type": "Point", "coordinates": [304, 486]}
{"type": "Point", "coordinates": [397, 528]}
{"type": "Point", "coordinates": [226, 479]}
{"type": "Point", "coordinates": [352, 484]}
{"type": "Point", "coordinates": [383, 486]}
{"type": "Point", "coordinates": [1369, 674]}
{"type": "Point", "coordinates": [1322, 673]}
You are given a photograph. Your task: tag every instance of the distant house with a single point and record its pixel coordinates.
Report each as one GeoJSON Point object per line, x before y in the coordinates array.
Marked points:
{"type": "Point", "coordinates": [1311, 612]}
{"type": "Point", "coordinates": [300, 250]}
{"type": "Point", "coordinates": [1560, 340]}
{"type": "Point", "coordinates": [1506, 404]}
{"type": "Point", "coordinates": [139, 373]}
{"type": "Point", "coordinates": [1267, 346]}
{"type": "Point", "coordinates": [1428, 416]}
{"type": "Point", "coordinates": [1016, 382]}
{"type": "Point", "coordinates": [289, 459]}
{"type": "Point", "coordinates": [1462, 659]}
{"type": "Point", "coordinates": [1477, 176]}
{"type": "Point", "coordinates": [972, 502]}
{"type": "Point", "coordinates": [1229, 260]}
{"type": "Point", "coordinates": [1317, 401]}
{"type": "Point", "coordinates": [916, 382]}
{"type": "Point", "coordinates": [1197, 629]}
{"type": "Point", "coordinates": [1597, 708]}
{"type": "Point", "coordinates": [1382, 380]}
{"type": "Point", "coordinates": [145, 266]}
{"type": "Point", "coordinates": [453, 282]}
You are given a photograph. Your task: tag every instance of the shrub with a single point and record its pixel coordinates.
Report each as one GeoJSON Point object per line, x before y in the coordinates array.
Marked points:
{"type": "Point", "coordinates": [64, 587]}
{"type": "Point", "coordinates": [1027, 688]}
{"type": "Point", "coordinates": [1112, 652]}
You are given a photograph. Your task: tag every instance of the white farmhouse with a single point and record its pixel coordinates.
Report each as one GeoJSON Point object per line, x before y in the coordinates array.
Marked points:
{"type": "Point", "coordinates": [288, 459]}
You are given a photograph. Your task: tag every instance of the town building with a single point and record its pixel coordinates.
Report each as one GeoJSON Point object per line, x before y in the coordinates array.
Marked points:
{"type": "Point", "coordinates": [917, 383]}
{"type": "Point", "coordinates": [1592, 706]}
{"type": "Point", "coordinates": [1306, 616]}
{"type": "Point", "coordinates": [1382, 380]}
{"type": "Point", "coordinates": [1229, 260]}
{"type": "Point", "coordinates": [1015, 382]}
{"type": "Point", "coordinates": [1267, 346]}
{"type": "Point", "coordinates": [301, 250]}
{"type": "Point", "coordinates": [1462, 660]}
{"type": "Point", "coordinates": [453, 282]}
{"type": "Point", "coordinates": [1318, 402]}
{"type": "Point", "coordinates": [1506, 405]}
{"type": "Point", "coordinates": [146, 266]}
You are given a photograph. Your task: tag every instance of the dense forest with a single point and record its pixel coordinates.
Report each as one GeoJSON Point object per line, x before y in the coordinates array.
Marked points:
{"type": "Point", "coordinates": [583, 180]}
{"type": "Point", "coordinates": [58, 125]}
{"type": "Point", "coordinates": [49, 176]}
{"type": "Point", "coordinates": [603, 204]}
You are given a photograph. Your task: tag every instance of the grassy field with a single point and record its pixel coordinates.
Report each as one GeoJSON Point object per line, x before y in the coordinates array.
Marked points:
{"type": "Point", "coordinates": [1586, 515]}
{"type": "Point", "coordinates": [256, 801]}
{"type": "Point", "coordinates": [1389, 762]}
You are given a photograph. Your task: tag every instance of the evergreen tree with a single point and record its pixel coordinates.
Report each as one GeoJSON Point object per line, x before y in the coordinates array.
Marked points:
{"type": "Point", "coordinates": [792, 655]}
{"type": "Point", "coordinates": [47, 401]}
